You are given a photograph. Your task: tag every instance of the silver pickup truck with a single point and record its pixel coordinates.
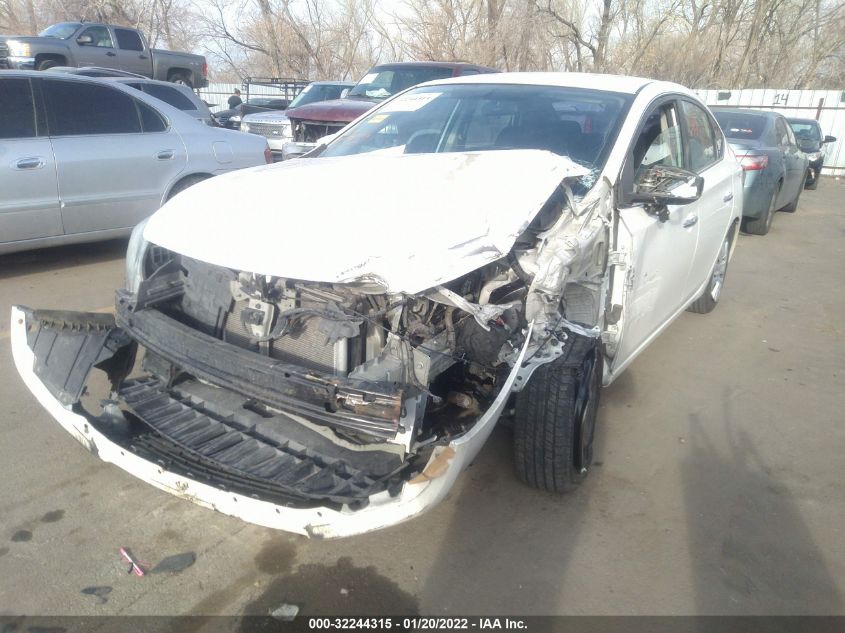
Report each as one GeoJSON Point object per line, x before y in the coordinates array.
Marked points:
{"type": "Point", "coordinates": [105, 45]}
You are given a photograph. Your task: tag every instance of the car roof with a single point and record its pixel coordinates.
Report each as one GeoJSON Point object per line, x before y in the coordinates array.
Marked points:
{"type": "Point", "coordinates": [595, 81]}
{"type": "Point", "coordinates": [452, 65]}
{"type": "Point", "coordinates": [332, 83]}
{"type": "Point", "coordinates": [144, 80]}
{"type": "Point", "coordinates": [761, 113]}
{"type": "Point", "coordinates": [792, 119]}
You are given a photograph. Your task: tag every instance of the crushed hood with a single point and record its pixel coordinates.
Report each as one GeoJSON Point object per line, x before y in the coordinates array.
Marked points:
{"type": "Point", "coordinates": [408, 222]}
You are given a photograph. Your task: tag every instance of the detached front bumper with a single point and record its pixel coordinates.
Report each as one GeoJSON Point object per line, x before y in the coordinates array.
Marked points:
{"type": "Point", "coordinates": [59, 390]}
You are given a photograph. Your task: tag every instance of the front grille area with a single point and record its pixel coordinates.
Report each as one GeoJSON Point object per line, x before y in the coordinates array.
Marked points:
{"type": "Point", "coordinates": [304, 345]}
{"type": "Point", "coordinates": [312, 131]}
{"type": "Point", "coordinates": [268, 130]}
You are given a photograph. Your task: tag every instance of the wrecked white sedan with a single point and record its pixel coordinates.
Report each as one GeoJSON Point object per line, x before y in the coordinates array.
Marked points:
{"type": "Point", "coordinates": [327, 361]}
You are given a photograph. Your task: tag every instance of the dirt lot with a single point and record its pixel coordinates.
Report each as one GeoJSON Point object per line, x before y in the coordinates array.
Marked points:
{"type": "Point", "coordinates": [718, 486]}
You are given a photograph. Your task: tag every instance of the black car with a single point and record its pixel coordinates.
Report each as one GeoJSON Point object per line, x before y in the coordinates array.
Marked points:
{"type": "Point", "coordinates": [231, 118]}
{"type": "Point", "coordinates": [812, 142]}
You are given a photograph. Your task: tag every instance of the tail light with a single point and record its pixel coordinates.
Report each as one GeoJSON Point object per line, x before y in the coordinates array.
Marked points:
{"type": "Point", "coordinates": [268, 155]}
{"type": "Point", "coordinates": [205, 69]}
{"type": "Point", "coordinates": [753, 162]}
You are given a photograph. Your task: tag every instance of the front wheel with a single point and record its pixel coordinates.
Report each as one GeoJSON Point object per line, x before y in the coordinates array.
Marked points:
{"type": "Point", "coordinates": [555, 417]}
{"type": "Point", "coordinates": [710, 297]}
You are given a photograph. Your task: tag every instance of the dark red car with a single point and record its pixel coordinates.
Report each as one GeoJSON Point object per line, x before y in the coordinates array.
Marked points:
{"type": "Point", "coordinates": [314, 121]}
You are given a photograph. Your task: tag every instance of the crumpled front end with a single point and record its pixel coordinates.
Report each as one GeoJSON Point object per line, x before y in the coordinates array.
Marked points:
{"type": "Point", "coordinates": [326, 408]}
{"type": "Point", "coordinates": [222, 450]}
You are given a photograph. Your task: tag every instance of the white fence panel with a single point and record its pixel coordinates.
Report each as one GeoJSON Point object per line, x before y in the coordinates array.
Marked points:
{"type": "Point", "coordinates": [826, 106]}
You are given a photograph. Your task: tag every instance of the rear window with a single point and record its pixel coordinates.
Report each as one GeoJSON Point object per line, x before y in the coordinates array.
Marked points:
{"type": "Point", "coordinates": [169, 95]}
{"type": "Point", "coordinates": [740, 125]}
{"type": "Point", "coordinates": [76, 108]}
{"type": "Point", "coordinates": [18, 120]}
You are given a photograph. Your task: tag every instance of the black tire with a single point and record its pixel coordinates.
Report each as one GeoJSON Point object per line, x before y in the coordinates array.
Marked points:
{"type": "Point", "coordinates": [180, 78]}
{"type": "Point", "coordinates": [44, 64]}
{"type": "Point", "coordinates": [709, 299]}
{"type": "Point", "coordinates": [184, 184]}
{"type": "Point", "coordinates": [813, 185]}
{"type": "Point", "coordinates": [793, 206]}
{"type": "Point", "coordinates": [554, 420]}
{"type": "Point", "coordinates": [761, 225]}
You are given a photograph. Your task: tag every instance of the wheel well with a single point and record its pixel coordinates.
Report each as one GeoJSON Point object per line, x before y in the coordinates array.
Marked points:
{"type": "Point", "coordinates": [45, 56]}
{"type": "Point", "coordinates": [179, 71]}
{"type": "Point", "coordinates": [176, 185]}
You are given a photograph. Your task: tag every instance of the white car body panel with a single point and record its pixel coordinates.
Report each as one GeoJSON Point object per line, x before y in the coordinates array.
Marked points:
{"type": "Point", "coordinates": [471, 217]}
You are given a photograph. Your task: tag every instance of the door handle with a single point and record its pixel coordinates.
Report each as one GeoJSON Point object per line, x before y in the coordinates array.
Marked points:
{"type": "Point", "coordinates": [728, 197]}
{"type": "Point", "coordinates": [142, 57]}
{"type": "Point", "coordinates": [690, 221]}
{"type": "Point", "coordinates": [111, 54]}
{"type": "Point", "coordinates": [165, 154]}
{"type": "Point", "coordinates": [32, 162]}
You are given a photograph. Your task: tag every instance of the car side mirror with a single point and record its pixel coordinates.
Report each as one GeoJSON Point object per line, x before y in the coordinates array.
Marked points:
{"type": "Point", "coordinates": [660, 185]}
{"type": "Point", "coordinates": [829, 139]}
{"type": "Point", "coordinates": [84, 40]}
{"type": "Point", "coordinates": [344, 92]}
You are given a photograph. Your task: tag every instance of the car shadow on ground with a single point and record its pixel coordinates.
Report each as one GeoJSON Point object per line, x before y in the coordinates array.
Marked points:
{"type": "Point", "coordinates": [60, 257]}
{"type": "Point", "coordinates": [752, 551]}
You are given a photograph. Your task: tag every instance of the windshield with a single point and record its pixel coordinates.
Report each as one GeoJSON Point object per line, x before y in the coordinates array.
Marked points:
{"type": "Point", "coordinates": [314, 93]}
{"type": "Point", "coordinates": [741, 126]}
{"type": "Point", "coordinates": [579, 123]}
{"type": "Point", "coordinates": [806, 132]}
{"type": "Point", "coordinates": [61, 31]}
{"type": "Point", "coordinates": [380, 84]}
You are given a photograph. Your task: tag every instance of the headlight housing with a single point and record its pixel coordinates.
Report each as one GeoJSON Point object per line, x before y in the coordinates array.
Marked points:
{"type": "Point", "coordinates": [814, 155]}
{"type": "Point", "coordinates": [235, 119]}
{"type": "Point", "coordinates": [19, 49]}
{"type": "Point", "coordinates": [135, 253]}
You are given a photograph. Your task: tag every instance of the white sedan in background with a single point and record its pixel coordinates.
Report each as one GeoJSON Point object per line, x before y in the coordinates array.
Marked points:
{"type": "Point", "coordinates": [472, 246]}
{"type": "Point", "coordinates": [85, 159]}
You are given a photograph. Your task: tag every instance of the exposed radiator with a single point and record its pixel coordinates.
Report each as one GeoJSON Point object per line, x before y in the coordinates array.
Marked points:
{"type": "Point", "coordinates": [303, 345]}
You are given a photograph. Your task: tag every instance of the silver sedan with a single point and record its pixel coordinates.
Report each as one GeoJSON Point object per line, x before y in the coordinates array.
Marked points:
{"type": "Point", "coordinates": [85, 159]}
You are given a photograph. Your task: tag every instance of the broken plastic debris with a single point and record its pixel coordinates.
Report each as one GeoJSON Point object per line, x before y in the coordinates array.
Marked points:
{"type": "Point", "coordinates": [135, 566]}
{"type": "Point", "coordinates": [175, 563]}
{"type": "Point", "coordinates": [285, 612]}
{"type": "Point", "coordinates": [436, 466]}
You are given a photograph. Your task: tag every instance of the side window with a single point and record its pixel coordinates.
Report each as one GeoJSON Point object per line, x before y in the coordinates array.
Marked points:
{"type": "Point", "coordinates": [782, 132]}
{"type": "Point", "coordinates": [99, 35]}
{"type": "Point", "coordinates": [75, 108]}
{"type": "Point", "coordinates": [469, 71]}
{"type": "Point", "coordinates": [151, 120]}
{"type": "Point", "coordinates": [128, 40]}
{"type": "Point", "coordinates": [700, 137]}
{"type": "Point", "coordinates": [659, 142]}
{"type": "Point", "coordinates": [169, 95]}
{"type": "Point", "coordinates": [18, 120]}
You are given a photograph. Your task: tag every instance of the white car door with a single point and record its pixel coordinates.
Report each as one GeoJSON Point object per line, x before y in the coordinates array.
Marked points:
{"type": "Point", "coordinates": [706, 157]}
{"type": "Point", "coordinates": [657, 252]}
{"type": "Point", "coordinates": [115, 155]}
{"type": "Point", "coordinates": [29, 204]}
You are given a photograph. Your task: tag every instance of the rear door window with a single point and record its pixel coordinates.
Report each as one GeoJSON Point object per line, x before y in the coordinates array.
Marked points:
{"type": "Point", "coordinates": [77, 108]}
{"type": "Point", "coordinates": [128, 40]}
{"type": "Point", "coordinates": [169, 95]}
{"type": "Point", "coordinates": [18, 118]}
{"type": "Point", "coordinates": [701, 139]}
